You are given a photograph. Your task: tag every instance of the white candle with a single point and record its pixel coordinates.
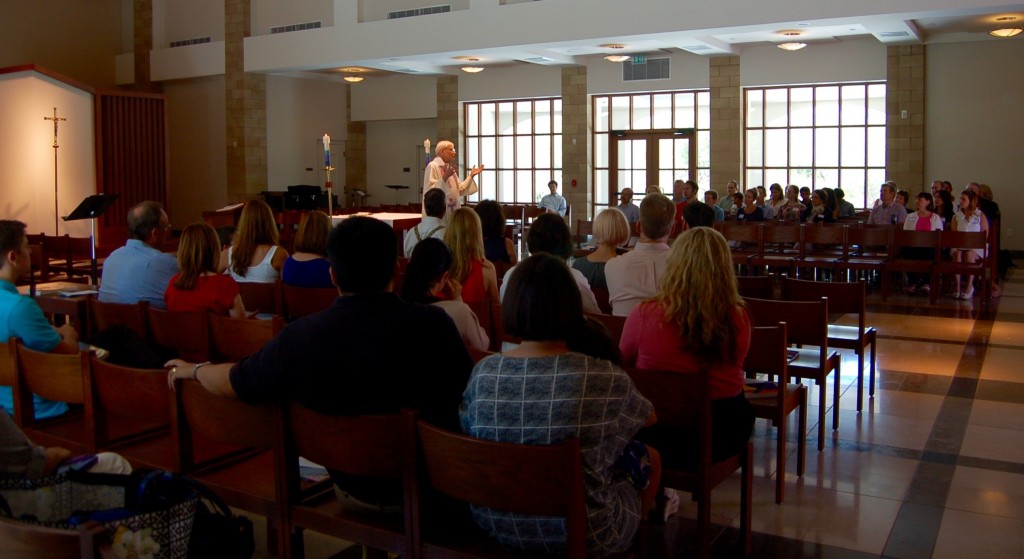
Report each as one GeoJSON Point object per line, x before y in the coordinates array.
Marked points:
{"type": "Point", "coordinates": [327, 150]}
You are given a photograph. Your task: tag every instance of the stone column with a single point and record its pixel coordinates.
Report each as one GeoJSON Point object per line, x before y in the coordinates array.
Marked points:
{"type": "Point", "coordinates": [246, 109]}
{"type": "Point", "coordinates": [355, 155]}
{"type": "Point", "coordinates": [448, 111]}
{"type": "Point", "coordinates": [726, 123]}
{"type": "Point", "coordinates": [904, 132]}
{"type": "Point", "coordinates": [142, 45]}
{"type": "Point", "coordinates": [576, 163]}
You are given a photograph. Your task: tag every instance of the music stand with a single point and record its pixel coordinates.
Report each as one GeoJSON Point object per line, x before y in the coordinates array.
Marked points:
{"type": "Point", "coordinates": [91, 208]}
{"type": "Point", "coordinates": [396, 188]}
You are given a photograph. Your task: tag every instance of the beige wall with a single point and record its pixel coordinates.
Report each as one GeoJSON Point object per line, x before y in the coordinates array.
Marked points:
{"type": "Point", "coordinates": [198, 158]}
{"type": "Point", "coordinates": [393, 146]}
{"type": "Point", "coordinates": [974, 96]}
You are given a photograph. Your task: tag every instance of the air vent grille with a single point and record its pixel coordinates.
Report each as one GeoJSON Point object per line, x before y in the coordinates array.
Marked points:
{"type": "Point", "coordinates": [442, 9]}
{"type": "Point", "coordinates": [654, 69]}
{"type": "Point", "coordinates": [187, 42]}
{"type": "Point", "coordinates": [295, 27]}
{"type": "Point", "coordinates": [891, 34]}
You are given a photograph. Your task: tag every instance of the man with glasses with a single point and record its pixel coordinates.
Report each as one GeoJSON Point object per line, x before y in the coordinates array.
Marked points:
{"type": "Point", "coordinates": [139, 271]}
{"type": "Point", "coordinates": [443, 172]}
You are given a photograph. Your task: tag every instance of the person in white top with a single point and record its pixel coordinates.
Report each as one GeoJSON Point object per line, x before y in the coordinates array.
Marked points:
{"type": "Point", "coordinates": [633, 277]}
{"type": "Point", "coordinates": [432, 225]}
{"type": "Point", "coordinates": [550, 234]}
{"type": "Point", "coordinates": [554, 202]}
{"type": "Point", "coordinates": [255, 255]}
{"type": "Point", "coordinates": [968, 218]}
{"type": "Point", "coordinates": [443, 173]}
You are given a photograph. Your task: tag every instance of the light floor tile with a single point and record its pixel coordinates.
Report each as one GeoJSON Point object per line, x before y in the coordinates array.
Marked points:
{"type": "Point", "coordinates": [988, 492]}
{"type": "Point", "coordinates": [997, 414]}
{"type": "Point", "coordinates": [1003, 364]}
{"type": "Point", "coordinates": [855, 522]}
{"type": "Point", "coordinates": [880, 429]}
{"type": "Point", "coordinates": [993, 443]}
{"type": "Point", "coordinates": [893, 402]}
{"type": "Point", "coordinates": [909, 326]}
{"type": "Point", "coordinates": [919, 357]}
{"type": "Point", "coordinates": [967, 534]}
{"type": "Point", "coordinates": [1007, 333]}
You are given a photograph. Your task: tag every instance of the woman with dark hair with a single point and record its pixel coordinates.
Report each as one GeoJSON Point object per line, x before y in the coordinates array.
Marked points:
{"type": "Point", "coordinates": [426, 281]}
{"type": "Point", "coordinates": [255, 254]}
{"type": "Point", "coordinates": [819, 211]}
{"type": "Point", "coordinates": [944, 207]}
{"type": "Point", "coordinates": [791, 209]}
{"type": "Point", "coordinates": [198, 286]}
{"type": "Point", "coordinates": [542, 393]}
{"type": "Point", "coordinates": [696, 324]}
{"type": "Point", "coordinates": [308, 266]}
{"type": "Point", "coordinates": [921, 220]}
{"type": "Point", "coordinates": [497, 247]}
{"type": "Point", "coordinates": [750, 211]}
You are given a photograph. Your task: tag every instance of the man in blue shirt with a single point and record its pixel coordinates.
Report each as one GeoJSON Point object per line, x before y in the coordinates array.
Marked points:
{"type": "Point", "coordinates": [21, 317]}
{"type": "Point", "coordinates": [138, 271]}
{"type": "Point", "coordinates": [554, 203]}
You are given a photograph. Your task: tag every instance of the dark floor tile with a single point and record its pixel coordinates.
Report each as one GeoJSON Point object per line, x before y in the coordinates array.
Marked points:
{"type": "Point", "coordinates": [930, 485]}
{"type": "Point", "coordinates": [1000, 391]}
{"type": "Point", "coordinates": [914, 532]}
{"type": "Point", "coordinates": [962, 387]}
{"type": "Point", "coordinates": [988, 464]}
{"type": "Point", "coordinates": [921, 383]}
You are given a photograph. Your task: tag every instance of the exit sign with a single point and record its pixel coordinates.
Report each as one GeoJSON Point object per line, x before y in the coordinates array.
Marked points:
{"type": "Point", "coordinates": [639, 59]}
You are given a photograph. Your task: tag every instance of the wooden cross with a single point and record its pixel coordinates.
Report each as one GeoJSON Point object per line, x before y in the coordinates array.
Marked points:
{"type": "Point", "coordinates": [55, 120]}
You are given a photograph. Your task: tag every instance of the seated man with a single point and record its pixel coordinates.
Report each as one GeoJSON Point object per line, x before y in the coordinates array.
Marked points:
{"type": "Point", "coordinates": [633, 277]}
{"type": "Point", "coordinates": [370, 353]}
{"type": "Point", "coordinates": [138, 271]}
{"type": "Point", "coordinates": [887, 211]}
{"type": "Point", "coordinates": [554, 203]}
{"type": "Point", "coordinates": [435, 206]}
{"type": "Point", "coordinates": [21, 317]}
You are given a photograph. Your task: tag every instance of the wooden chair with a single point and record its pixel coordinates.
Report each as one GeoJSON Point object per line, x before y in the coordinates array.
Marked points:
{"type": "Point", "coordinates": [40, 266]}
{"type": "Point", "coordinates": [613, 323]}
{"type": "Point", "coordinates": [963, 240]}
{"type": "Point", "coordinates": [233, 339]}
{"type": "Point", "coordinates": [744, 241]}
{"type": "Point", "coordinates": [82, 261]}
{"type": "Point", "coordinates": [843, 298]}
{"type": "Point", "coordinates": [380, 447]}
{"type": "Point", "coordinates": [781, 246]}
{"type": "Point", "coordinates": [807, 328]}
{"type": "Point", "coordinates": [824, 245]}
{"type": "Point", "coordinates": [8, 363]}
{"type": "Point", "coordinates": [57, 252]}
{"type": "Point", "coordinates": [21, 540]}
{"type": "Point", "coordinates": [683, 401]}
{"type": "Point", "coordinates": [767, 356]}
{"type": "Point", "coordinates": [186, 332]}
{"type": "Point", "coordinates": [900, 264]}
{"type": "Point", "coordinates": [104, 315]}
{"type": "Point", "coordinates": [584, 230]}
{"type": "Point", "coordinates": [759, 287]}
{"type": "Point", "coordinates": [601, 296]}
{"type": "Point", "coordinates": [527, 479]}
{"type": "Point", "coordinates": [867, 249]}
{"type": "Point", "coordinates": [250, 478]}
{"type": "Point", "coordinates": [298, 302]}
{"type": "Point", "coordinates": [57, 377]}
{"type": "Point", "coordinates": [262, 297]}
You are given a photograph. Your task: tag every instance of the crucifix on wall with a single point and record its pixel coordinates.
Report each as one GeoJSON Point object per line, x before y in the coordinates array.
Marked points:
{"type": "Point", "coordinates": [56, 121]}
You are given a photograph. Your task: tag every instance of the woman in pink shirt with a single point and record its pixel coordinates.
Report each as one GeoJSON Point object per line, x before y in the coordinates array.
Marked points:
{"type": "Point", "coordinates": [697, 324]}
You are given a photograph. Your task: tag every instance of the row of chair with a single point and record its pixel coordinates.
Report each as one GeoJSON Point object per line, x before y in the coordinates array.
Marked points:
{"type": "Point", "coordinates": [65, 255]}
{"type": "Point", "coordinates": [855, 248]}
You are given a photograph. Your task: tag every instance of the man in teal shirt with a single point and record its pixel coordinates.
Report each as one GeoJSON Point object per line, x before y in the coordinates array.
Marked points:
{"type": "Point", "coordinates": [21, 317]}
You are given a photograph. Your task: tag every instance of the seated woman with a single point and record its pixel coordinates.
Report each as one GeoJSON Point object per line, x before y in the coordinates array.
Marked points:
{"type": "Point", "coordinates": [968, 218]}
{"type": "Point", "coordinates": [819, 210]}
{"type": "Point", "coordinates": [921, 220]}
{"type": "Point", "coordinates": [427, 281]}
{"type": "Point", "coordinates": [198, 286]}
{"type": "Point", "coordinates": [476, 274]}
{"type": "Point", "coordinates": [611, 230]}
{"type": "Point", "coordinates": [308, 266]}
{"type": "Point", "coordinates": [255, 255]}
{"type": "Point", "coordinates": [497, 247]}
{"type": "Point", "coordinates": [791, 209]}
{"type": "Point", "coordinates": [542, 393]}
{"type": "Point", "coordinates": [750, 211]}
{"type": "Point", "coordinates": [697, 324]}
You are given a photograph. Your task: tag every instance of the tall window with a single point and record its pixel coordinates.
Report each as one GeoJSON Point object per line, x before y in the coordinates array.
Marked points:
{"type": "Point", "coordinates": [520, 144]}
{"type": "Point", "coordinates": [817, 136]}
{"type": "Point", "coordinates": [651, 111]}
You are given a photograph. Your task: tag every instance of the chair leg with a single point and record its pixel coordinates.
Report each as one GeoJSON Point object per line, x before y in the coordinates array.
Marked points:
{"type": "Point", "coordinates": [801, 448]}
{"type": "Point", "coordinates": [860, 377]}
{"type": "Point", "coordinates": [835, 397]}
{"type": "Point", "coordinates": [746, 501]}
{"type": "Point", "coordinates": [874, 347]}
{"type": "Point", "coordinates": [780, 457]}
{"type": "Point", "coordinates": [821, 415]}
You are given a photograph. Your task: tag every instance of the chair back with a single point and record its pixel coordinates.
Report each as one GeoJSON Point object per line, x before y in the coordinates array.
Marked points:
{"type": "Point", "coordinates": [128, 392]}
{"type": "Point", "coordinates": [223, 420]}
{"type": "Point", "coordinates": [767, 354]}
{"type": "Point", "coordinates": [865, 240]}
{"type": "Point", "coordinates": [843, 297]}
{"type": "Point", "coordinates": [328, 440]}
{"type": "Point", "coordinates": [584, 229]}
{"type": "Point", "coordinates": [528, 479]}
{"type": "Point", "coordinates": [8, 363]}
{"type": "Point", "coordinates": [614, 324]}
{"type": "Point", "coordinates": [760, 287]}
{"type": "Point", "coordinates": [233, 339]}
{"type": "Point", "coordinates": [904, 238]}
{"type": "Point", "coordinates": [186, 332]}
{"type": "Point", "coordinates": [806, 321]}
{"type": "Point", "coordinates": [964, 240]}
{"type": "Point", "coordinates": [81, 258]}
{"type": "Point", "coordinates": [826, 234]}
{"type": "Point", "coordinates": [601, 295]}
{"type": "Point", "coordinates": [779, 237]}
{"type": "Point", "coordinates": [53, 376]}
{"type": "Point", "coordinates": [104, 315]}
{"type": "Point", "coordinates": [742, 232]}
{"type": "Point", "coordinates": [302, 301]}
{"type": "Point", "coordinates": [262, 297]}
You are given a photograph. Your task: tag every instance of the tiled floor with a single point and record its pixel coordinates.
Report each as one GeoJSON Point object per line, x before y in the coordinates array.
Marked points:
{"type": "Point", "coordinates": [932, 467]}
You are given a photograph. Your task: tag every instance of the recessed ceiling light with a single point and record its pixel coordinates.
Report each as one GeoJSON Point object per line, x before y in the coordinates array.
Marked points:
{"type": "Point", "coordinates": [1006, 32]}
{"type": "Point", "coordinates": [791, 46]}
{"type": "Point", "coordinates": [617, 58]}
{"type": "Point", "coordinates": [467, 58]}
{"type": "Point", "coordinates": [472, 69]}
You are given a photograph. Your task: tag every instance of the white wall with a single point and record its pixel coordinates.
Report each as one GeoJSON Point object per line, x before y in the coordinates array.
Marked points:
{"type": "Point", "coordinates": [181, 20]}
{"type": "Point", "coordinates": [274, 13]}
{"type": "Point", "coordinates": [394, 97]}
{"type": "Point", "coordinates": [688, 71]}
{"type": "Point", "coordinates": [393, 146]}
{"type": "Point", "coordinates": [843, 61]}
{"type": "Point", "coordinates": [974, 109]}
{"type": "Point", "coordinates": [26, 152]}
{"type": "Point", "coordinates": [299, 112]}
{"type": "Point", "coordinates": [511, 82]}
{"type": "Point", "coordinates": [198, 148]}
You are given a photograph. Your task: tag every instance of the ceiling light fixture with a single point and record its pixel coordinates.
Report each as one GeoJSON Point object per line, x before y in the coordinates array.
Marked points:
{"type": "Point", "coordinates": [353, 79]}
{"type": "Point", "coordinates": [791, 46]}
{"type": "Point", "coordinates": [472, 69]}
{"type": "Point", "coordinates": [1006, 32]}
{"type": "Point", "coordinates": [617, 58]}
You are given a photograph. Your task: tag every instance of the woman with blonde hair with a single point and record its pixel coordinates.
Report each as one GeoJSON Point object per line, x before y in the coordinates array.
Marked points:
{"type": "Point", "coordinates": [968, 218]}
{"type": "Point", "coordinates": [611, 230]}
{"type": "Point", "coordinates": [255, 254]}
{"type": "Point", "coordinates": [464, 236]}
{"type": "Point", "coordinates": [308, 266]}
{"type": "Point", "coordinates": [696, 324]}
{"type": "Point", "coordinates": [198, 286]}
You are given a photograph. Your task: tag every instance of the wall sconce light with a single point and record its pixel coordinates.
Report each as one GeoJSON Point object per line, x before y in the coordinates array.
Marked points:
{"type": "Point", "coordinates": [353, 79]}
{"type": "Point", "coordinates": [791, 46]}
